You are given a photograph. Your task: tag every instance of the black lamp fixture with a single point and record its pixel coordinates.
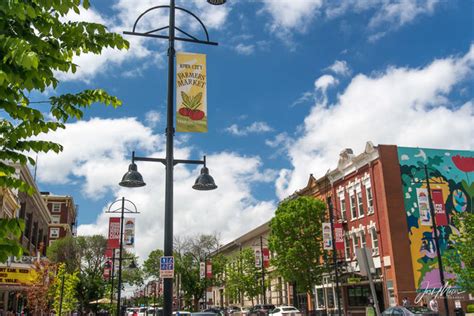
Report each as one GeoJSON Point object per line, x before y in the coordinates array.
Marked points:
{"type": "Point", "coordinates": [205, 181]}
{"type": "Point", "coordinates": [133, 265]}
{"type": "Point", "coordinates": [133, 179]}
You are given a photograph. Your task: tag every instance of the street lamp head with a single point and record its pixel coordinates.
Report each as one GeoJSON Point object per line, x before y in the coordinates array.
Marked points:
{"type": "Point", "coordinates": [204, 182]}
{"type": "Point", "coordinates": [133, 178]}
{"type": "Point", "coordinates": [216, 2]}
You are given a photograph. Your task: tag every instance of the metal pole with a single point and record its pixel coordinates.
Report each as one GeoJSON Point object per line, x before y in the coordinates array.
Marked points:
{"type": "Point", "coordinates": [62, 292]}
{"type": "Point", "coordinates": [205, 283]}
{"type": "Point", "coordinates": [168, 240]}
{"type": "Point", "coordinates": [112, 285]}
{"type": "Point", "coordinates": [371, 281]}
{"type": "Point", "coordinates": [435, 231]}
{"type": "Point", "coordinates": [334, 255]}
{"type": "Point", "coordinates": [263, 271]}
{"type": "Point", "coordinates": [119, 289]}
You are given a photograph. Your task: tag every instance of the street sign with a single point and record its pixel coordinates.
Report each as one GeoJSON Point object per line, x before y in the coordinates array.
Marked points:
{"type": "Point", "coordinates": [167, 267]}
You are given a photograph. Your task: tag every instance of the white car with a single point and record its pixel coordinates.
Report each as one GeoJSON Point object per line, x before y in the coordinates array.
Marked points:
{"type": "Point", "coordinates": [285, 311]}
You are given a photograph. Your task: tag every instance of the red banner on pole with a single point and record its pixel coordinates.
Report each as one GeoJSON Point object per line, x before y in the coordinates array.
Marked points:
{"type": "Point", "coordinates": [439, 207]}
{"type": "Point", "coordinates": [113, 241]}
{"type": "Point", "coordinates": [339, 236]}
{"type": "Point", "coordinates": [209, 270]}
{"type": "Point", "coordinates": [266, 257]}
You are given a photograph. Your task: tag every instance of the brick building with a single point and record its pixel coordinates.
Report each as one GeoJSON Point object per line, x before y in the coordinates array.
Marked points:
{"type": "Point", "coordinates": [379, 198]}
{"type": "Point", "coordinates": [17, 272]}
{"type": "Point", "coordinates": [376, 197]}
{"type": "Point", "coordinates": [63, 216]}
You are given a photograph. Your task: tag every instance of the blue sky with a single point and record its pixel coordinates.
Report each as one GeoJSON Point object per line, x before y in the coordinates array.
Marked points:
{"type": "Point", "coordinates": [290, 85]}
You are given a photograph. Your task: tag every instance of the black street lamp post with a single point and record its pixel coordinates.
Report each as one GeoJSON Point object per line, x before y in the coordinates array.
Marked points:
{"type": "Point", "coordinates": [133, 178]}
{"type": "Point", "coordinates": [122, 210]}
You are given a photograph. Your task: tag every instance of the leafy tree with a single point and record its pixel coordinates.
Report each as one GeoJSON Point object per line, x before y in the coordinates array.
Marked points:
{"type": "Point", "coordinates": [38, 294]}
{"type": "Point", "coordinates": [36, 45]}
{"type": "Point", "coordinates": [296, 238]}
{"type": "Point", "coordinates": [151, 266]}
{"type": "Point", "coordinates": [460, 258]}
{"type": "Point", "coordinates": [190, 252]}
{"type": "Point", "coordinates": [10, 232]}
{"type": "Point", "coordinates": [64, 288]}
{"type": "Point", "coordinates": [92, 284]}
{"type": "Point", "coordinates": [242, 276]}
{"type": "Point", "coordinates": [65, 250]}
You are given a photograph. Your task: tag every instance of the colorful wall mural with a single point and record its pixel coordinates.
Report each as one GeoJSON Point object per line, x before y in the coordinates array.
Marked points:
{"type": "Point", "coordinates": [450, 174]}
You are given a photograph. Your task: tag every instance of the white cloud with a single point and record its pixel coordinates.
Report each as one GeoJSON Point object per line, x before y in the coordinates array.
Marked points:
{"type": "Point", "coordinates": [93, 149]}
{"type": "Point", "coordinates": [288, 16]}
{"type": "Point", "coordinates": [254, 128]}
{"type": "Point", "coordinates": [324, 82]}
{"type": "Point", "coordinates": [244, 49]}
{"type": "Point", "coordinates": [148, 52]}
{"type": "Point", "coordinates": [340, 67]}
{"type": "Point", "coordinates": [403, 106]}
{"type": "Point", "coordinates": [399, 13]}
{"type": "Point", "coordinates": [152, 118]}
{"type": "Point", "coordinates": [97, 153]}
{"type": "Point", "coordinates": [387, 15]}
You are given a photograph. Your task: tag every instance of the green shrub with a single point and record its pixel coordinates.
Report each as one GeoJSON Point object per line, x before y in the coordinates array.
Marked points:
{"type": "Point", "coordinates": [470, 308]}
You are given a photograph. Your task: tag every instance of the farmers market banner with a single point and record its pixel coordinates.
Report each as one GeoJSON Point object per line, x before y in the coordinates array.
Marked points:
{"type": "Point", "coordinates": [191, 96]}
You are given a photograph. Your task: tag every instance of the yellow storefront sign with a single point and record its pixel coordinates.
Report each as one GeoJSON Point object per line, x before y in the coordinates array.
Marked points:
{"type": "Point", "coordinates": [16, 276]}
{"type": "Point", "coordinates": [191, 96]}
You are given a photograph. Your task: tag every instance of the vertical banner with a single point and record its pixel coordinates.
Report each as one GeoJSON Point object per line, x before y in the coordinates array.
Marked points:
{"type": "Point", "coordinates": [191, 94]}
{"type": "Point", "coordinates": [202, 270]}
{"type": "Point", "coordinates": [266, 257]}
{"type": "Point", "coordinates": [258, 257]}
{"type": "Point", "coordinates": [113, 241]}
{"type": "Point", "coordinates": [439, 207]}
{"type": "Point", "coordinates": [327, 236]}
{"type": "Point", "coordinates": [209, 270]}
{"type": "Point", "coordinates": [129, 233]}
{"type": "Point", "coordinates": [423, 206]}
{"type": "Point", "coordinates": [339, 236]}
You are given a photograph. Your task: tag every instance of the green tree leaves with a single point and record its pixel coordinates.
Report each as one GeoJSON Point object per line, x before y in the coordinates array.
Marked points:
{"type": "Point", "coordinates": [10, 232]}
{"type": "Point", "coordinates": [36, 45]}
{"type": "Point", "coordinates": [296, 238]}
{"type": "Point", "coordinates": [64, 289]}
{"type": "Point", "coordinates": [460, 257]}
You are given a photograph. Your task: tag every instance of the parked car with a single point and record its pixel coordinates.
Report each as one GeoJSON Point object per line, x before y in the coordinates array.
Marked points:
{"type": "Point", "coordinates": [237, 311]}
{"type": "Point", "coordinates": [261, 309]}
{"type": "Point", "coordinates": [409, 311]}
{"type": "Point", "coordinates": [216, 310]}
{"type": "Point", "coordinates": [181, 313]}
{"type": "Point", "coordinates": [285, 311]}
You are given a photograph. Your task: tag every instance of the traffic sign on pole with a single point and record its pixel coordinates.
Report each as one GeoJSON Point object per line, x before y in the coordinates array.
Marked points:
{"type": "Point", "coordinates": [167, 267]}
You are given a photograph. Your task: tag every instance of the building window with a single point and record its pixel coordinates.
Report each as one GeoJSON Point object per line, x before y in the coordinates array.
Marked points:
{"type": "Point", "coordinates": [355, 245]}
{"type": "Point", "coordinates": [358, 295]}
{"type": "Point", "coordinates": [363, 242]}
{"type": "Point", "coordinates": [353, 207]}
{"type": "Point", "coordinates": [370, 200]}
{"type": "Point", "coordinates": [342, 202]}
{"type": "Point", "coordinates": [56, 207]}
{"type": "Point", "coordinates": [360, 203]}
{"type": "Point", "coordinates": [55, 219]}
{"type": "Point", "coordinates": [375, 241]}
{"type": "Point", "coordinates": [54, 233]}
{"type": "Point", "coordinates": [347, 248]}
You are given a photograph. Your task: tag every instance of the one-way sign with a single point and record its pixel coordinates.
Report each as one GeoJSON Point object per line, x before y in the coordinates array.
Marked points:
{"type": "Point", "coordinates": [167, 267]}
